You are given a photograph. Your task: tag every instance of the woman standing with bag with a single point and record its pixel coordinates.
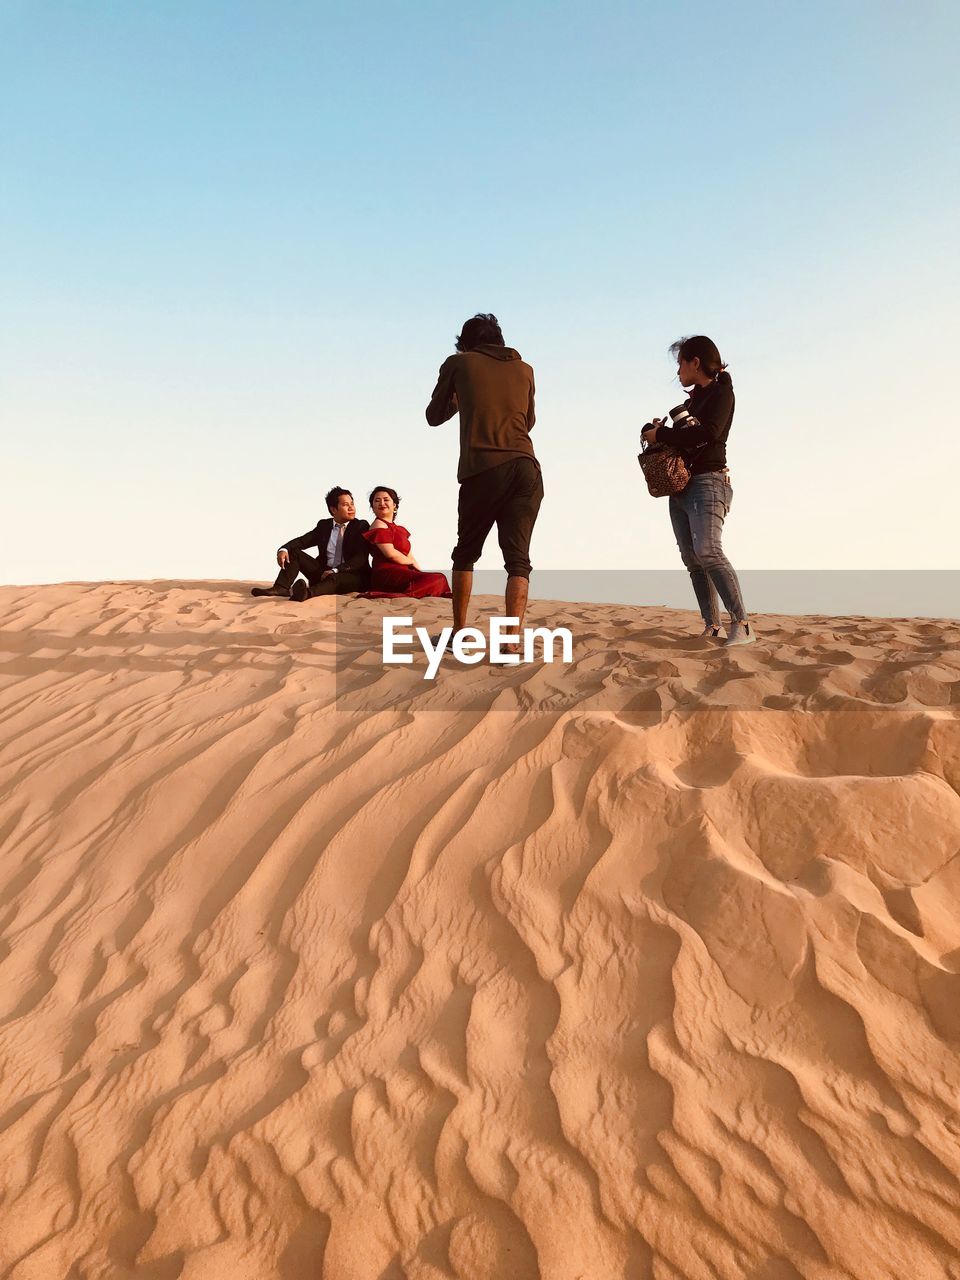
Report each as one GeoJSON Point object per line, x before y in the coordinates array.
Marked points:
{"type": "Point", "coordinates": [699, 435]}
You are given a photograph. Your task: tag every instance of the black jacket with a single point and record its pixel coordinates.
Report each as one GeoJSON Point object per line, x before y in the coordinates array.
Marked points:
{"type": "Point", "coordinates": [704, 447]}
{"type": "Point", "coordinates": [356, 549]}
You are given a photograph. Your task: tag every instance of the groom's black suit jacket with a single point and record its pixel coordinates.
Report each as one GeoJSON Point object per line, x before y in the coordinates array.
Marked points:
{"type": "Point", "coordinates": [356, 549]}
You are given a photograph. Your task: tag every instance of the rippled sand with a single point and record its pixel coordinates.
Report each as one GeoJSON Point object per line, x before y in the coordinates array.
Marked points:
{"type": "Point", "coordinates": [643, 968]}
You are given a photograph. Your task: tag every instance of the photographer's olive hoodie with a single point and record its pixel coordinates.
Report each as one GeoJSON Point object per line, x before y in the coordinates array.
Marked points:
{"type": "Point", "coordinates": [492, 388]}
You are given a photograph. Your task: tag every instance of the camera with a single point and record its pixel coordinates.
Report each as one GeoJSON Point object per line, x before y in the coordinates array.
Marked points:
{"type": "Point", "coordinates": [682, 418]}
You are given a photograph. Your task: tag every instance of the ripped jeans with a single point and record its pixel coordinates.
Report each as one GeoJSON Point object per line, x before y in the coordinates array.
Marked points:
{"type": "Point", "coordinates": [697, 515]}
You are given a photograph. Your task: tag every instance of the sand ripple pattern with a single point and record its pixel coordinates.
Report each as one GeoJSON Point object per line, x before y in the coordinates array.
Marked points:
{"type": "Point", "coordinates": [644, 969]}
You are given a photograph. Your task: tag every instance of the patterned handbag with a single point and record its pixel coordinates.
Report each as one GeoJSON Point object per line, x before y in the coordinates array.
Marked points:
{"type": "Point", "coordinates": [663, 469]}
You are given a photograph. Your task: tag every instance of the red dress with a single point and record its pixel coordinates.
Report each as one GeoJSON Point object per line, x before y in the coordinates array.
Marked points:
{"type": "Point", "coordinates": [388, 579]}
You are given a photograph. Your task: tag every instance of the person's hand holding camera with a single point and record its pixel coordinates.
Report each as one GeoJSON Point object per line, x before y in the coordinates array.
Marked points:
{"type": "Point", "coordinates": [649, 433]}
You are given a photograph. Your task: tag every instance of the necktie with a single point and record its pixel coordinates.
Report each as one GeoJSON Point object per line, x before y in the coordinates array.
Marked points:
{"type": "Point", "coordinates": [338, 548]}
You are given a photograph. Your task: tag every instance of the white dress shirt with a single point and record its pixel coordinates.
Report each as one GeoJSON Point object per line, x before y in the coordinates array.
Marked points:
{"type": "Point", "coordinates": [332, 543]}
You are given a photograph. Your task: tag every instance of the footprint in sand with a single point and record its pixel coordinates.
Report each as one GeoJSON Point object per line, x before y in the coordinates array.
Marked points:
{"type": "Point", "coordinates": [298, 628]}
{"type": "Point", "coordinates": [835, 657]}
{"type": "Point", "coordinates": [643, 711]}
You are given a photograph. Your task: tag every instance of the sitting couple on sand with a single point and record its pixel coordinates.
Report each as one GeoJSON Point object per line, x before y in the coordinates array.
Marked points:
{"type": "Point", "coordinates": [345, 545]}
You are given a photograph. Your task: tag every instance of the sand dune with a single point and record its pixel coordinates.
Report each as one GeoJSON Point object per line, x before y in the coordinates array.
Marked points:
{"type": "Point", "coordinates": [645, 968]}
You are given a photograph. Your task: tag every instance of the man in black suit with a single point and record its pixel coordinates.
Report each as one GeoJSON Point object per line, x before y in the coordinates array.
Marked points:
{"type": "Point", "coordinates": [343, 564]}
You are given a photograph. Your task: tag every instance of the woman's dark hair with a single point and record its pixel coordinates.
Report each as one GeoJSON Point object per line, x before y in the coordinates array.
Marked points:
{"type": "Point", "coordinates": [334, 496]}
{"type": "Point", "coordinates": [690, 348]}
{"type": "Point", "coordinates": [481, 330]}
{"type": "Point", "coordinates": [384, 488]}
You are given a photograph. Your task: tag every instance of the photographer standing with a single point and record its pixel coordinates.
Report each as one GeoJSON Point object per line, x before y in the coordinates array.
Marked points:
{"type": "Point", "coordinates": [699, 434]}
{"type": "Point", "coordinates": [492, 389]}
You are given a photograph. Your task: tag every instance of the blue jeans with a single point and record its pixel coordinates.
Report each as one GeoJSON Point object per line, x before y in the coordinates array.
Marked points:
{"type": "Point", "coordinates": [697, 515]}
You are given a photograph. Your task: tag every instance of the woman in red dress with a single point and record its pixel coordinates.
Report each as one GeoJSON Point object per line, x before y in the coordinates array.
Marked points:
{"type": "Point", "coordinates": [395, 572]}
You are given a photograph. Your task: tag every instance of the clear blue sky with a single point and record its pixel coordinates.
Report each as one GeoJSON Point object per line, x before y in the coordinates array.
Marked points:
{"type": "Point", "coordinates": [238, 239]}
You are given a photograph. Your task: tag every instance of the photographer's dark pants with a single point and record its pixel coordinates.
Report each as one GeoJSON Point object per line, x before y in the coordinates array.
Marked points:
{"type": "Point", "coordinates": [509, 496]}
{"type": "Point", "coordinates": [312, 567]}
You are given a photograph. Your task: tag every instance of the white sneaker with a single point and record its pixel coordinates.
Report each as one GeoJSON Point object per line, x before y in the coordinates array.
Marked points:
{"type": "Point", "coordinates": [739, 633]}
{"type": "Point", "coordinates": [711, 631]}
